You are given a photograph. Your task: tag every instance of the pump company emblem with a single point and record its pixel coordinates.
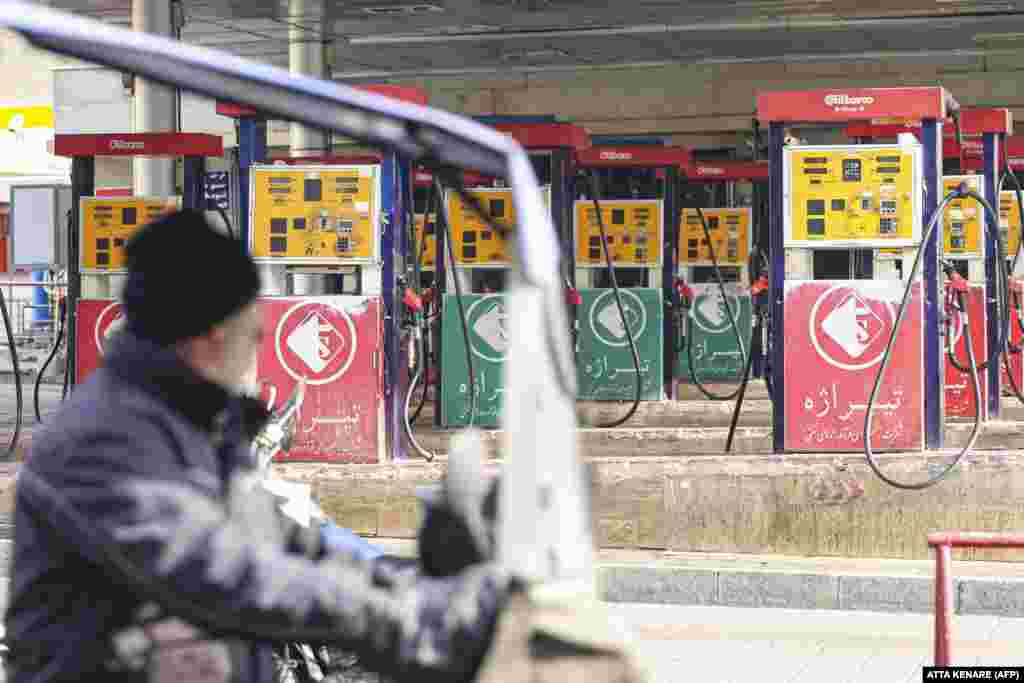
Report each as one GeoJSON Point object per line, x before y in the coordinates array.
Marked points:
{"type": "Point", "coordinates": [710, 170]}
{"type": "Point", "coordinates": [109, 322]}
{"type": "Point", "coordinates": [315, 340]}
{"type": "Point", "coordinates": [709, 311]}
{"type": "Point", "coordinates": [606, 323]}
{"type": "Point", "coordinates": [850, 331]}
{"type": "Point", "coordinates": [616, 156]}
{"type": "Point", "coordinates": [127, 145]}
{"type": "Point", "coordinates": [488, 320]}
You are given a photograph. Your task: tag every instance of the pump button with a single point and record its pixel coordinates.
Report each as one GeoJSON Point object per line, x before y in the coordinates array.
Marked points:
{"type": "Point", "coordinates": [816, 226]}
{"type": "Point", "coordinates": [839, 205]}
{"type": "Point", "coordinates": [816, 207]}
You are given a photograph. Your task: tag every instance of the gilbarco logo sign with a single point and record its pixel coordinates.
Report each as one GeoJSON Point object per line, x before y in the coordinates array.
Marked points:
{"type": "Point", "coordinates": [616, 156]}
{"type": "Point", "coordinates": [125, 144]}
{"type": "Point", "coordinates": [844, 102]}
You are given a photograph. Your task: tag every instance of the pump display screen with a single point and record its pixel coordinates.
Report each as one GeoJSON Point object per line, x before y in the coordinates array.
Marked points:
{"type": "Point", "coordinates": [731, 246]}
{"type": "Point", "coordinates": [853, 195]}
{"type": "Point", "coordinates": [962, 221]}
{"type": "Point", "coordinates": [634, 228]}
{"type": "Point", "coordinates": [107, 223]}
{"type": "Point", "coordinates": [1009, 222]}
{"type": "Point", "coordinates": [315, 214]}
{"type": "Point", "coordinates": [475, 243]}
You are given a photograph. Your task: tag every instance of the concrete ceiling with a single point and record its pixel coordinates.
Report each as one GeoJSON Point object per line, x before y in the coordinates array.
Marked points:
{"type": "Point", "coordinates": [374, 39]}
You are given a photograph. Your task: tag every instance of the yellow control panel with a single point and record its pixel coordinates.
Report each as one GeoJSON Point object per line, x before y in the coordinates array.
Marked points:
{"type": "Point", "coordinates": [107, 223]}
{"type": "Point", "coordinates": [852, 195]}
{"type": "Point", "coordinates": [474, 242]}
{"type": "Point", "coordinates": [962, 222]}
{"type": "Point", "coordinates": [731, 237]}
{"type": "Point", "coordinates": [314, 214]}
{"type": "Point", "coordinates": [1009, 222]}
{"type": "Point", "coordinates": [426, 244]}
{"type": "Point", "coordinates": [634, 229]}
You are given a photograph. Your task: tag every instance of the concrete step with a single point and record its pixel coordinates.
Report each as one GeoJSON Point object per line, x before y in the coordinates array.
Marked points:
{"type": "Point", "coordinates": [821, 504]}
{"type": "Point", "coordinates": [690, 440]}
{"type": "Point", "coordinates": [877, 585]}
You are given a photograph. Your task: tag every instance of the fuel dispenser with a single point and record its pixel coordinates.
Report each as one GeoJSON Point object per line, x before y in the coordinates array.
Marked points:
{"type": "Point", "coordinates": [628, 310]}
{"type": "Point", "coordinates": [712, 352]}
{"type": "Point", "coordinates": [832, 318]}
{"type": "Point", "coordinates": [470, 271]}
{"type": "Point", "coordinates": [101, 225]}
{"type": "Point", "coordinates": [331, 237]}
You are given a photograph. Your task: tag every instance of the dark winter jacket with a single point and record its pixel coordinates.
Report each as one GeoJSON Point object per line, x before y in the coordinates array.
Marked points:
{"type": "Point", "coordinates": [143, 451]}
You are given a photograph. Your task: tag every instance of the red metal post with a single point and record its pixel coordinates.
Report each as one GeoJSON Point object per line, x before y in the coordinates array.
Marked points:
{"type": "Point", "coordinates": [943, 604]}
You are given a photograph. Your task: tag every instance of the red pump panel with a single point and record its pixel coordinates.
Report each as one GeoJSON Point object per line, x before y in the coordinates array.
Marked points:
{"type": "Point", "coordinates": [97, 320]}
{"type": "Point", "coordinates": [334, 342]}
{"type": "Point", "coordinates": [959, 389]}
{"type": "Point", "coordinates": [139, 145]}
{"type": "Point", "coordinates": [978, 121]}
{"type": "Point", "coordinates": [854, 104]}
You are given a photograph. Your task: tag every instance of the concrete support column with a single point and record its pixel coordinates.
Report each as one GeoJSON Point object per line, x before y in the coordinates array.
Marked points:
{"type": "Point", "coordinates": [154, 109]}
{"type": "Point", "coordinates": [306, 58]}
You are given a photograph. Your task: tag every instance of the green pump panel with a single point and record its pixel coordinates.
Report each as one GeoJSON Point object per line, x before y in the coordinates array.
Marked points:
{"type": "Point", "coordinates": [486, 320]}
{"type": "Point", "coordinates": [604, 361]}
{"type": "Point", "coordinates": [717, 357]}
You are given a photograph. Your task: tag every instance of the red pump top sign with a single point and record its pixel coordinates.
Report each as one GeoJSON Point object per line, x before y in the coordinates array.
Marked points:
{"type": "Point", "coordinates": [139, 145]}
{"type": "Point", "coordinates": [634, 156]}
{"type": "Point", "coordinates": [854, 104]}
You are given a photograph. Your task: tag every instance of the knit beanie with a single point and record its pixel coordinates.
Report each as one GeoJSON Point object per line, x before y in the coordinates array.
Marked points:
{"type": "Point", "coordinates": [184, 278]}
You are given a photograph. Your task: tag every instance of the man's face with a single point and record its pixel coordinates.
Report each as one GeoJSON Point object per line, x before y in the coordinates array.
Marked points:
{"type": "Point", "coordinates": [235, 347]}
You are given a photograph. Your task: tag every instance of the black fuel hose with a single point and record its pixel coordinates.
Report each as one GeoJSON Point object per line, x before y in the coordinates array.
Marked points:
{"type": "Point", "coordinates": [442, 217]}
{"type": "Point", "coordinates": [732, 321]}
{"type": "Point", "coordinates": [423, 367]}
{"type": "Point", "coordinates": [595, 192]}
{"type": "Point", "coordinates": [421, 359]}
{"type": "Point", "coordinates": [19, 415]}
{"type": "Point", "coordinates": [49, 359]}
{"type": "Point", "coordinates": [887, 355]}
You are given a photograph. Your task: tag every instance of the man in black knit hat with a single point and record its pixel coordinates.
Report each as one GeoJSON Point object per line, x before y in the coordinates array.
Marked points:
{"type": "Point", "coordinates": [147, 451]}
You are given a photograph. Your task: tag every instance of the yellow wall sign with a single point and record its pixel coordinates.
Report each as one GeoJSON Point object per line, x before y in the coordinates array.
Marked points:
{"type": "Point", "coordinates": [1009, 222]}
{"type": "Point", "coordinates": [962, 227]}
{"type": "Point", "coordinates": [474, 242]}
{"type": "Point", "coordinates": [107, 223]}
{"type": "Point", "coordinates": [634, 228]}
{"type": "Point", "coordinates": [16, 118]}
{"type": "Point", "coordinates": [314, 214]}
{"type": "Point", "coordinates": [852, 195]}
{"type": "Point", "coordinates": [426, 245]}
{"type": "Point", "coordinates": [731, 237]}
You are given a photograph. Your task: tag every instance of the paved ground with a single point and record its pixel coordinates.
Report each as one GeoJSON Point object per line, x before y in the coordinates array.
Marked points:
{"type": "Point", "coordinates": [736, 645]}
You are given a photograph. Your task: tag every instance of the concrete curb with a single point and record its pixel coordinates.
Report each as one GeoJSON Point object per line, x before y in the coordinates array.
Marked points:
{"type": "Point", "coordinates": [998, 596]}
{"type": "Point", "coordinates": [656, 583]}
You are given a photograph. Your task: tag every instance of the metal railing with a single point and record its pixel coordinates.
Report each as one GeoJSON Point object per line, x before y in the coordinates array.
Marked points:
{"type": "Point", "coordinates": [944, 542]}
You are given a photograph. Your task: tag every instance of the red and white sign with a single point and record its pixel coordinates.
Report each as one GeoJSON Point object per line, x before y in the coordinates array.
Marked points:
{"type": "Point", "coordinates": [98, 321]}
{"type": "Point", "coordinates": [334, 343]}
{"type": "Point", "coordinates": [959, 388]}
{"type": "Point", "coordinates": [836, 333]}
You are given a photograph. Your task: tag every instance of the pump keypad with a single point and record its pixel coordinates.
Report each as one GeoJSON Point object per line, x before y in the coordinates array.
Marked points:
{"type": "Point", "coordinates": [315, 214]}
{"type": "Point", "coordinates": [962, 221]}
{"type": "Point", "coordinates": [474, 242]}
{"type": "Point", "coordinates": [860, 194]}
{"type": "Point", "coordinates": [633, 227]}
{"type": "Point", "coordinates": [107, 223]}
{"type": "Point", "coordinates": [731, 244]}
